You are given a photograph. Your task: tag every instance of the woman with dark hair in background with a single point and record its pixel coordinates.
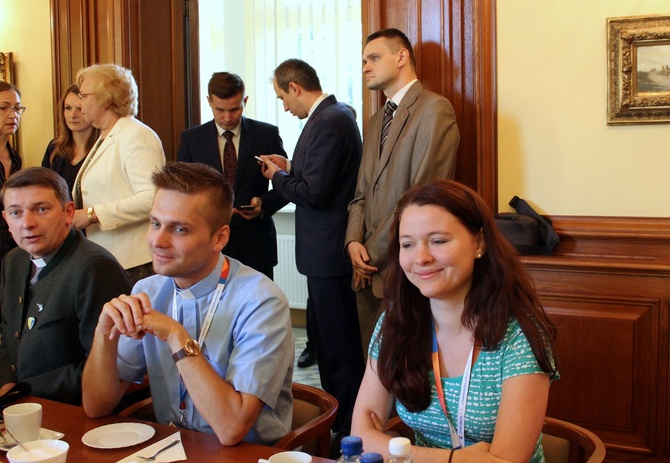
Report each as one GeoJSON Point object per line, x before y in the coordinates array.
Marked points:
{"type": "Point", "coordinates": [10, 116]}
{"type": "Point", "coordinates": [464, 350]}
{"type": "Point", "coordinates": [76, 136]}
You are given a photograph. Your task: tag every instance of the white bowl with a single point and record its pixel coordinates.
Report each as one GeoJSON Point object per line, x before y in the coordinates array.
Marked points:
{"type": "Point", "coordinates": [43, 451]}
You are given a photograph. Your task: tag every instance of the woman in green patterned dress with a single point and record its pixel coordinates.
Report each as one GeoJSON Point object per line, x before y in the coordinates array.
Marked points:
{"type": "Point", "coordinates": [458, 306]}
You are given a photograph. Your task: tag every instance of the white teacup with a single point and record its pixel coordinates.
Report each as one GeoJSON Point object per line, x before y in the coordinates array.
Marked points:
{"type": "Point", "coordinates": [24, 421]}
{"type": "Point", "coordinates": [42, 451]}
{"type": "Point", "coordinates": [288, 457]}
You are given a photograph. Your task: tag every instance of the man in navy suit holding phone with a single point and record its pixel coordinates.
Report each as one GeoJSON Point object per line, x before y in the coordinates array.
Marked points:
{"type": "Point", "coordinates": [229, 143]}
{"type": "Point", "coordinates": [320, 181]}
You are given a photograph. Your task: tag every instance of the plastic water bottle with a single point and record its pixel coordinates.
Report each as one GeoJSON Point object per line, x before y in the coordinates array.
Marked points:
{"type": "Point", "coordinates": [400, 449]}
{"type": "Point", "coordinates": [352, 448]}
{"type": "Point", "coordinates": [372, 458]}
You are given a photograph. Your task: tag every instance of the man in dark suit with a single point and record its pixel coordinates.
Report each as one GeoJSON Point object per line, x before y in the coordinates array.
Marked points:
{"type": "Point", "coordinates": [253, 238]}
{"type": "Point", "coordinates": [320, 180]}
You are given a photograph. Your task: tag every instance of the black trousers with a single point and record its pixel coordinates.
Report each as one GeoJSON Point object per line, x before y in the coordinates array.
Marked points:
{"type": "Point", "coordinates": [334, 319]}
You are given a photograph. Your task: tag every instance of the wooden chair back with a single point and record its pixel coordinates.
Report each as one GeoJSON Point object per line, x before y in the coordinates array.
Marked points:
{"type": "Point", "coordinates": [565, 442]}
{"type": "Point", "coordinates": [314, 412]}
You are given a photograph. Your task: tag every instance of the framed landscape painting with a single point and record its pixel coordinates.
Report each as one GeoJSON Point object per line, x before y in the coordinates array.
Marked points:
{"type": "Point", "coordinates": [638, 85]}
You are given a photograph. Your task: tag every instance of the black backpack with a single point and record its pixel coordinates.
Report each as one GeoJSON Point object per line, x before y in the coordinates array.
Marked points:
{"type": "Point", "coordinates": [529, 232]}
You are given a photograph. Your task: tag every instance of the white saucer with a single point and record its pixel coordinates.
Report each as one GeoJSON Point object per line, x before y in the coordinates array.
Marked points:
{"type": "Point", "coordinates": [6, 442]}
{"type": "Point", "coordinates": [118, 435]}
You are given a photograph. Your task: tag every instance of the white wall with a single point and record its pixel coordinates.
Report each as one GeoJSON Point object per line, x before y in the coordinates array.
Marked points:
{"type": "Point", "coordinates": [25, 30]}
{"type": "Point", "coordinates": [554, 146]}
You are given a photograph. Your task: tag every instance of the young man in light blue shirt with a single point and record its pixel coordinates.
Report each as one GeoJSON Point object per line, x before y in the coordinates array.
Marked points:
{"type": "Point", "coordinates": [213, 334]}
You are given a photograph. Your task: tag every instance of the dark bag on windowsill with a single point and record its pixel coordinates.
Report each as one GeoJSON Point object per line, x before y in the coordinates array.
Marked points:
{"type": "Point", "coordinates": [529, 232]}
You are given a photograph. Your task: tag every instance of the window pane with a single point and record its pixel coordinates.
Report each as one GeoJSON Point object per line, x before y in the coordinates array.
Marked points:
{"type": "Point", "coordinates": [252, 37]}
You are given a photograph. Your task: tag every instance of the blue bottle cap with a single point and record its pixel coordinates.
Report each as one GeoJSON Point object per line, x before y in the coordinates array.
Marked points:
{"type": "Point", "coordinates": [351, 445]}
{"type": "Point", "coordinates": [372, 458]}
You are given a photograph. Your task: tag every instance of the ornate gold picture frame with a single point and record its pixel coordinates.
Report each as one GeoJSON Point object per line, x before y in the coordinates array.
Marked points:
{"type": "Point", "coordinates": [638, 85]}
{"type": "Point", "coordinates": [6, 67]}
{"type": "Point", "coordinates": [7, 74]}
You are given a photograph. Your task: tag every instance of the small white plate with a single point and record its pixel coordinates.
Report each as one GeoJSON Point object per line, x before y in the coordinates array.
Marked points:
{"type": "Point", "coordinates": [118, 435]}
{"type": "Point", "coordinates": [6, 442]}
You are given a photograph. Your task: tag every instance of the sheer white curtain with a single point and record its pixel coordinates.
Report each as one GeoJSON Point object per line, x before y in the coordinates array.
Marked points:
{"type": "Point", "coordinates": [252, 37]}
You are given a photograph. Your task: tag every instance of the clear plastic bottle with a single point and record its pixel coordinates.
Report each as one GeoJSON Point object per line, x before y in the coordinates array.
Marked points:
{"type": "Point", "coordinates": [400, 449]}
{"type": "Point", "coordinates": [372, 458]}
{"type": "Point", "coordinates": [352, 448]}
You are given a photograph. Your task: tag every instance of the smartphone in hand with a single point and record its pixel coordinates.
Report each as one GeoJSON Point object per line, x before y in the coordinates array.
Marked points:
{"type": "Point", "coordinates": [246, 207]}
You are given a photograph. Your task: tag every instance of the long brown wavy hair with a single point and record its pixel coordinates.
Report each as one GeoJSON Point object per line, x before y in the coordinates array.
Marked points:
{"type": "Point", "coordinates": [501, 289]}
{"type": "Point", "coordinates": [64, 141]}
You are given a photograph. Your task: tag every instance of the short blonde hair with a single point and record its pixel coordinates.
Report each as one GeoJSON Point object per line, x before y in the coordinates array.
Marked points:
{"type": "Point", "coordinates": [113, 86]}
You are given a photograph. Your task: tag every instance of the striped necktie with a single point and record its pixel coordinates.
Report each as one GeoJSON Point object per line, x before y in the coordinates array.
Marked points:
{"type": "Point", "coordinates": [389, 108]}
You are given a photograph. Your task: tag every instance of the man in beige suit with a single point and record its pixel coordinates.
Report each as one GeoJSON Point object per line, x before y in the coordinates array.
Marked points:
{"type": "Point", "coordinates": [419, 143]}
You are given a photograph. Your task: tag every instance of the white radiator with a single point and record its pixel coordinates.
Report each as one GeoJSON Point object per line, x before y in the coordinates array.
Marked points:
{"type": "Point", "coordinates": [286, 274]}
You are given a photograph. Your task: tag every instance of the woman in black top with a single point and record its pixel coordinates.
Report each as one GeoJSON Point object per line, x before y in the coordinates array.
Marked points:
{"type": "Point", "coordinates": [10, 115]}
{"type": "Point", "coordinates": [76, 136]}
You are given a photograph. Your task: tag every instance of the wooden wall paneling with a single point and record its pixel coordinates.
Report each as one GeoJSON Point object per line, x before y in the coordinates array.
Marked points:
{"type": "Point", "coordinates": [154, 62]}
{"type": "Point", "coordinates": [85, 32]}
{"type": "Point", "coordinates": [485, 94]}
{"type": "Point", "coordinates": [191, 66]}
{"type": "Point", "coordinates": [69, 44]}
{"type": "Point", "coordinates": [642, 239]}
{"type": "Point", "coordinates": [608, 289]}
{"type": "Point", "coordinates": [662, 424]}
{"type": "Point", "coordinates": [608, 353]}
{"type": "Point", "coordinates": [146, 37]}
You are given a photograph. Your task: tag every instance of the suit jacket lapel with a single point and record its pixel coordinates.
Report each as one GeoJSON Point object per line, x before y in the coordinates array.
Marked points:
{"type": "Point", "coordinates": [109, 140]}
{"type": "Point", "coordinates": [329, 100]}
{"type": "Point", "coordinates": [210, 145]}
{"type": "Point", "coordinates": [245, 153]}
{"type": "Point", "coordinates": [399, 121]}
{"type": "Point", "coordinates": [23, 272]}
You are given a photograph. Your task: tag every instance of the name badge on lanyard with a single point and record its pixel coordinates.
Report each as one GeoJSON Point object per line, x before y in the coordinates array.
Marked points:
{"type": "Point", "coordinates": [458, 434]}
{"type": "Point", "coordinates": [218, 292]}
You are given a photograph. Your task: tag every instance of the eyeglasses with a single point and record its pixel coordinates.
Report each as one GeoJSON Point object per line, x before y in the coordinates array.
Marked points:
{"type": "Point", "coordinates": [17, 109]}
{"type": "Point", "coordinates": [82, 95]}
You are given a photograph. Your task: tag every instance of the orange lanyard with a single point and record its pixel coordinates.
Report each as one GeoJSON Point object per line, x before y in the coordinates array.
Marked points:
{"type": "Point", "coordinates": [458, 434]}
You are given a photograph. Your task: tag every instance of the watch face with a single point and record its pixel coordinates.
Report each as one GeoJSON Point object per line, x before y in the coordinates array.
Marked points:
{"type": "Point", "coordinates": [192, 347]}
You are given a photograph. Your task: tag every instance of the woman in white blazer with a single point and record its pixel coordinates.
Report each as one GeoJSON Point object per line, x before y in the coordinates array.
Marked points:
{"type": "Point", "coordinates": [113, 192]}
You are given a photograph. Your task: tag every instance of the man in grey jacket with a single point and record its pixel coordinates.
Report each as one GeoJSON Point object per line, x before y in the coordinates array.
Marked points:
{"type": "Point", "coordinates": [52, 290]}
{"type": "Point", "coordinates": [410, 141]}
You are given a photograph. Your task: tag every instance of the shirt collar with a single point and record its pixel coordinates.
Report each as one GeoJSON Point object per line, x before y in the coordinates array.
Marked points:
{"type": "Point", "coordinates": [235, 130]}
{"type": "Point", "coordinates": [316, 104]}
{"type": "Point", "coordinates": [204, 286]}
{"type": "Point", "coordinates": [42, 262]}
{"type": "Point", "coordinates": [397, 98]}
